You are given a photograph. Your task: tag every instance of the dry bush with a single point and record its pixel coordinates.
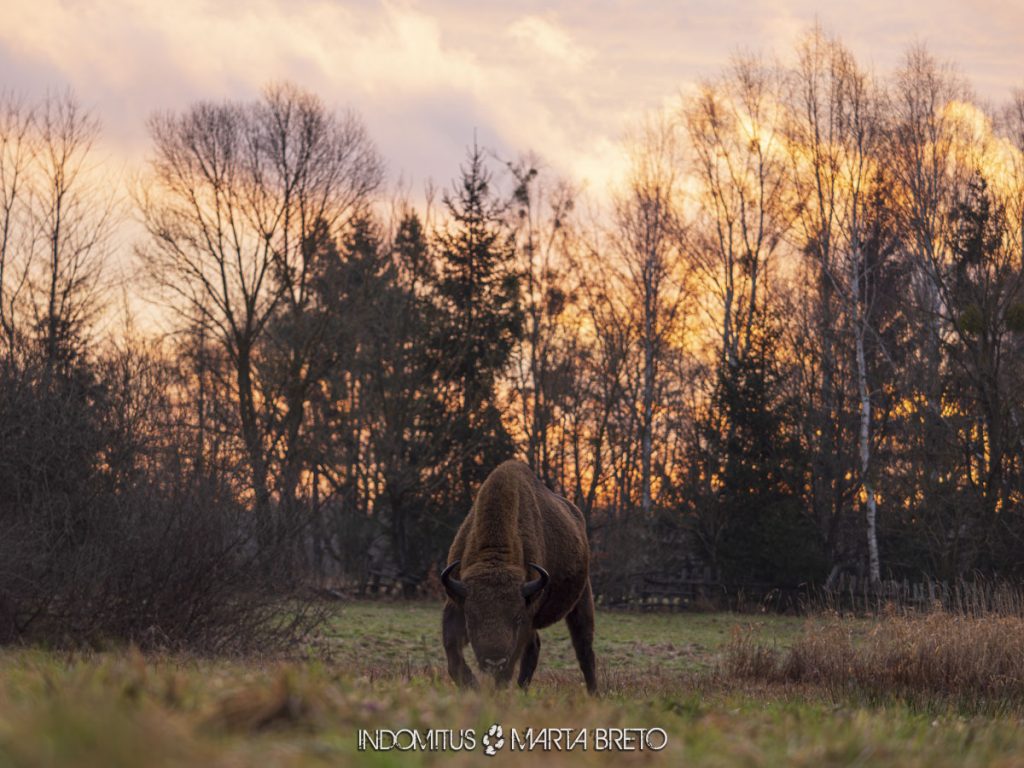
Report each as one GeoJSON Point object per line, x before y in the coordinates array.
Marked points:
{"type": "Point", "coordinates": [747, 659]}
{"type": "Point", "coordinates": [109, 534]}
{"type": "Point", "coordinates": [160, 570]}
{"type": "Point", "coordinates": [969, 661]}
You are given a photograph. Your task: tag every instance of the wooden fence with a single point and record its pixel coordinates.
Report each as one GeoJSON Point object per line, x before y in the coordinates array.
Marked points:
{"type": "Point", "coordinates": [701, 588]}
{"type": "Point", "coordinates": [693, 587]}
{"type": "Point", "coordinates": [974, 595]}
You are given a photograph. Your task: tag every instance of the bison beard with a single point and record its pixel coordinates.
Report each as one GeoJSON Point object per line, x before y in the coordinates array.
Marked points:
{"type": "Point", "coordinates": [520, 562]}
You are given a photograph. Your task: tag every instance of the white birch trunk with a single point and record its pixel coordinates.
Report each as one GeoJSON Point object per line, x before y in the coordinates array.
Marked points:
{"type": "Point", "coordinates": [864, 392]}
{"type": "Point", "coordinates": [648, 401]}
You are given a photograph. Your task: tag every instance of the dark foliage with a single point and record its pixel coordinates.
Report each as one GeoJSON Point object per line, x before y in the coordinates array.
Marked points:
{"type": "Point", "coordinates": [108, 531]}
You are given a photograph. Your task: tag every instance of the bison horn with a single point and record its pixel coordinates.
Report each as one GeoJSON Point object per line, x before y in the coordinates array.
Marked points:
{"type": "Point", "coordinates": [531, 588]}
{"type": "Point", "coordinates": [455, 588]}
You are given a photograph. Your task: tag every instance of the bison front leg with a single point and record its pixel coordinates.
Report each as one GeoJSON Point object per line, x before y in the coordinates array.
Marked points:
{"type": "Point", "coordinates": [530, 658]}
{"type": "Point", "coordinates": [453, 633]}
{"type": "Point", "coordinates": [581, 629]}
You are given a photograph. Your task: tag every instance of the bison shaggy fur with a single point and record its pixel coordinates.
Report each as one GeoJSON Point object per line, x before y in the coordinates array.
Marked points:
{"type": "Point", "coordinates": [519, 562]}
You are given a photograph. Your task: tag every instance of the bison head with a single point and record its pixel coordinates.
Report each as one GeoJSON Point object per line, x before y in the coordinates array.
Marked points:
{"type": "Point", "coordinates": [499, 607]}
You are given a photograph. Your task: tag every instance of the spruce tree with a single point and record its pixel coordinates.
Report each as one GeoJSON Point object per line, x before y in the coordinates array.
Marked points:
{"type": "Point", "coordinates": [480, 292]}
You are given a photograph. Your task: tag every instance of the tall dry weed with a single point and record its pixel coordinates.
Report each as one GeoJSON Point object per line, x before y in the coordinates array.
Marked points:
{"type": "Point", "coordinates": [976, 662]}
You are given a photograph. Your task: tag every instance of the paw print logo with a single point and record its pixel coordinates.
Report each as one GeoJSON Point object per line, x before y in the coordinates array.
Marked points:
{"type": "Point", "coordinates": [494, 740]}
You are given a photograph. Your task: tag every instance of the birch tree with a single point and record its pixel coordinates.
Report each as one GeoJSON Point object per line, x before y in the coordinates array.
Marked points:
{"type": "Point", "coordinates": [834, 129]}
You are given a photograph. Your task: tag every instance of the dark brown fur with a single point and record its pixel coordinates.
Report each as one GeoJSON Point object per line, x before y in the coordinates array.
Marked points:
{"type": "Point", "coordinates": [516, 520]}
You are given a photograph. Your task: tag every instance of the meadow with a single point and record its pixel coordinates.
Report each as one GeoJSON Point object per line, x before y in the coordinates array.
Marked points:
{"type": "Point", "coordinates": [727, 689]}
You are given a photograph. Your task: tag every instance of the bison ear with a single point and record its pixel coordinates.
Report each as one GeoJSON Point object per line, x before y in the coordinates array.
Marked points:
{"type": "Point", "coordinates": [533, 588]}
{"type": "Point", "coordinates": [456, 590]}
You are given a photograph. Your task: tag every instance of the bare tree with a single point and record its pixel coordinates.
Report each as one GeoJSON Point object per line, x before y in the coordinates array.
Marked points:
{"type": "Point", "coordinates": [237, 198]}
{"type": "Point", "coordinates": [647, 238]}
{"type": "Point", "coordinates": [734, 127]}
{"type": "Point", "coordinates": [1011, 125]}
{"type": "Point", "coordinates": [72, 214]}
{"type": "Point", "coordinates": [16, 135]}
{"type": "Point", "coordinates": [605, 339]}
{"type": "Point", "coordinates": [835, 127]}
{"type": "Point", "coordinates": [541, 222]}
{"type": "Point", "coordinates": [741, 216]}
{"type": "Point", "coordinates": [921, 148]}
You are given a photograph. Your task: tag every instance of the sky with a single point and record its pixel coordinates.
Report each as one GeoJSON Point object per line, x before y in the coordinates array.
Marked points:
{"type": "Point", "coordinates": [564, 79]}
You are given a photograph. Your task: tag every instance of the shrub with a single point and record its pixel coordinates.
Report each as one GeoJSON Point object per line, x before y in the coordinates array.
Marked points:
{"type": "Point", "coordinates": [108, 534]}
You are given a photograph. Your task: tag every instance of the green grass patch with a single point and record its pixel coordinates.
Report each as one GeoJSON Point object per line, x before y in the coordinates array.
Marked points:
{"type": "Point", "coordinates": [368, 633]}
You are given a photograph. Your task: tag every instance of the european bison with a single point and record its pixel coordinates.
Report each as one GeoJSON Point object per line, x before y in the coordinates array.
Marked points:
{"type": "Point", "coordinates": [523, 563]}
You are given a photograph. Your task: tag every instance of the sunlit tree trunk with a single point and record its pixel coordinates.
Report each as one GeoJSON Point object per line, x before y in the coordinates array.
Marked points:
{"type": "Point", "coordinates": [864, 434]}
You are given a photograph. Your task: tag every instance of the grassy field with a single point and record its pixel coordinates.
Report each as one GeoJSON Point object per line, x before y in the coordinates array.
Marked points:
{"type": "Point", "coordinates": [369, 634]}
{"type": "Point", "coordinates": [378, 666]}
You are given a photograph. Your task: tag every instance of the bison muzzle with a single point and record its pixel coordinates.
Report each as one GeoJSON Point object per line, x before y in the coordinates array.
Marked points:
{"type": "Point", "coordinates": [520, 562]}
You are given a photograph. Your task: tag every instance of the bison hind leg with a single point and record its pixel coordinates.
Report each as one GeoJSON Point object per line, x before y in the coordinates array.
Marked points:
{"type": "Point", "coordinates": [453, 633]}
{"type": "Point", "coordinates": [581, 629]}
{"type": "Point", "coordinates": [530, 658]}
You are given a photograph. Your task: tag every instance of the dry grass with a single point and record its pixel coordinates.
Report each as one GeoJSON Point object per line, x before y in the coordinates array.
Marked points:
{"type": "Point", "coordinates": [722, 701]}
{"type": "Point", "coordinates": [771, 693]}
{"type": "Point", "coordinates": [127, 710]}
{"type": "Point", "coordinates": [972, 662]}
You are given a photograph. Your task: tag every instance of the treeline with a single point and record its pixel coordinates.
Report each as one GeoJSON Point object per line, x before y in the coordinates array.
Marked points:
{"type": "Point", "coordinates": [786, 346]}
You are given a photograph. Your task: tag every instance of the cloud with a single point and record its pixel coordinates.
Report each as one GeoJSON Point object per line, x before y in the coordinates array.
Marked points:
{"type": "Point", "coordinates": [423, 77]}
{"type": "Point", "coordinates": [550, 40]}
{"type": "Point", "coordinates": [565, 79]}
